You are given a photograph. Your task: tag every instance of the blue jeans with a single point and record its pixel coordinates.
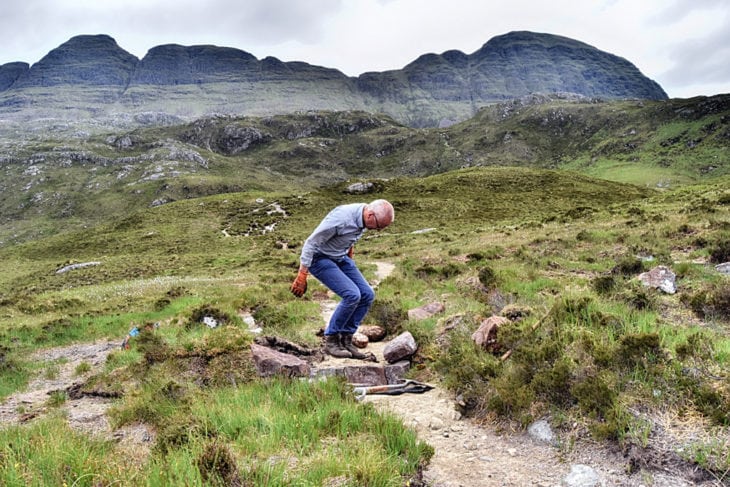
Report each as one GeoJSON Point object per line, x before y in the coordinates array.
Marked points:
{"type": "Point", "coordinates": [344, 279]}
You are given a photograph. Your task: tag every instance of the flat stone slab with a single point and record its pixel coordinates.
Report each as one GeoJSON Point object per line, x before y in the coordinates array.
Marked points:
{"type": "Point", "coordinates": [363, 372]}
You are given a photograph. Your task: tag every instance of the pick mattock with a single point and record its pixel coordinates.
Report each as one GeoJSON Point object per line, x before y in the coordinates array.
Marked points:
{"type": "Point", "coordinates": [408, 385]}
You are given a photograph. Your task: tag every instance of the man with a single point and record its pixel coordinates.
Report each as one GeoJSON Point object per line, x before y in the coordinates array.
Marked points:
{"type": "Point", "coordinates": [327, 255]}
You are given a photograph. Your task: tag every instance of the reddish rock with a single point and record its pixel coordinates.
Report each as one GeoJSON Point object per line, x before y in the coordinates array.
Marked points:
{"type": "Point", "coordinates": [360, 340]}
{"type": "Point", "coordinates": [271, 362]}
{"type": "Point", "coordinates": [400, 348]}
{"type": "Point", "coordinates": [486, 335]}
{"type": "Point", "coordinates": [372, 332]}
{"type": "Point", "coordinates": [371, 375]}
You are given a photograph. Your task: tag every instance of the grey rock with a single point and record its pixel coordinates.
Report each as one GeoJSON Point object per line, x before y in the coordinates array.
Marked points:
{"type": "Point", "coordinates": [359, 188]}
{"type": "Point", "coordinates": [425, 311]}
{"type": "Point", "coordinates": [73, 267]}
{"type": "Point", "coordinates": [371, 375]}
{"type": "Point", "coordinates": [660, 277]}
{"type": "Point", "coordinates": [581, 476]}
{"type": "Point", "coordinates": [540, 430]}
{"type": "Point", "coordinates": [395, 373]}
{"type": "Point", "coordinates": [723, 268]}
{"type": "Point", "coordinates": [401, 347]}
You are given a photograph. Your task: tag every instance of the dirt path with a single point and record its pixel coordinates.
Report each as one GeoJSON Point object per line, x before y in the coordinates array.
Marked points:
{"type": "Point", "coordinates": [62, 370]}
{"type": "Point", "coordinates": [85, 413]}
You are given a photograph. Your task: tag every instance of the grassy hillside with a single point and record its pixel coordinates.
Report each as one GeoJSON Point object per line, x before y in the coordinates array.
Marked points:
{"type": "Point", "coordinates": [70, 175]}
{"type": "Point", "coordinates": [609, 359]}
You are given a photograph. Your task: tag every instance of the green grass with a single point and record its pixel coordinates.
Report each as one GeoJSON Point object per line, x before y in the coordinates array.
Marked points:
{"type": "Point", "coordinates": [563, 247]}
{"type": "Point", "coordinates": [47, 452]}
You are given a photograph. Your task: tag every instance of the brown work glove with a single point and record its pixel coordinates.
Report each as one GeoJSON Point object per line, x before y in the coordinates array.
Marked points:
{"type": "Point", "coordinates": [351, 251]}
{"type": "Point", "coordinates": [299, 286]}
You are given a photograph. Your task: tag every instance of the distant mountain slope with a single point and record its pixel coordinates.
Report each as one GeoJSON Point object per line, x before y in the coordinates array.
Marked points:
{"type": "Point", "coordinates": [91, 76]}
{"type": "Point", "coordinates": [67, 178]}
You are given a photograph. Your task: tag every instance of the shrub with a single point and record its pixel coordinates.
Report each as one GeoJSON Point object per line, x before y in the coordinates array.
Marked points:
{"type": "Point", "coordinates": [713, 403]}
{"type": "Point", "coordinates": [720, 250]}
{"type": "Point", "coordinates": [604, 284]}
{"type": "Point", "coordinates": [554, 382]}
{"type": "Point", "coordinates": [512, 396]}
{"type": "Point", "coordinates": [444, 272]}
{"type": "Point", "coordinates": [720, 301]}
{"type": "Point", "coordinates": [199, 314]}
{"type": "Point", "coordinates": [713, 301]}
{"type": "Point", "coordinates": [217, 466]}
{"type": "Point", "coordinates": [488, 277]}
{"type": "Point", "coordinates": [635, 348]}
{"type": "Point", "coordinates": [698, 345]}
{"type": "Point", "coordinates": [176, 432]}
{"type": "Point", "coordinates": [152, 346]}
{"type": "Point", "coordinates": [628, 265]}
{"type": "Point", "coordinates": [638, 297]}
{"type": "Point", "coordinates": [596, 394]}
{"type": "Point", "coordinates": [389, 315]}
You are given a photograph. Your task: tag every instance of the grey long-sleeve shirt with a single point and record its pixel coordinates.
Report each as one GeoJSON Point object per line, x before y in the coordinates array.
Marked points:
{"type": "Point", "coordinates": [338, 231]}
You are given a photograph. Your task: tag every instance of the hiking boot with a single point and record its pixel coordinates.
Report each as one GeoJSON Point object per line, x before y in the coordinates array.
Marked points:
{"type": "Point", "coordinates": [347, 344]}
{"type": "Point", "coordinates": [333, 346]}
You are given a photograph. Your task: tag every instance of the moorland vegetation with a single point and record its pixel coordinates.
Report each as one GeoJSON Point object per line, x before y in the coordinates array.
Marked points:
{"type": "Point", "coordinates": [542, 211]}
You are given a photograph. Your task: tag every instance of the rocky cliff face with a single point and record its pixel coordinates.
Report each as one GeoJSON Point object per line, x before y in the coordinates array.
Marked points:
{"type": "Point", "coordinates": [83, 60]}
{"type": "Point", "coordinates": [9, 74]}
{"type": "Point", "coordinates": [92, 76]}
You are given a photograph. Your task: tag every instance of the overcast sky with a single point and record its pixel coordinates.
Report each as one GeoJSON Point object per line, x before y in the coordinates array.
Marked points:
{"type": "Point", "coordinates": [684, 45]}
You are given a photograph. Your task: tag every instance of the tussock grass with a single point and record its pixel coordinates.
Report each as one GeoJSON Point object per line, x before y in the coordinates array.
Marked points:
{"type": "Point", "coordinates": [47, 452]}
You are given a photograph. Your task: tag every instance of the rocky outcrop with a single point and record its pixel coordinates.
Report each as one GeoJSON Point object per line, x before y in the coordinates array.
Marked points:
{"type": "Point", "coordinates": [508, 66]}
{"type": "Point", "coordinates": [528, 62]}
{"type": "Point", "coordinates": [82, 61]}
{"type": "Point", "coordinates": [92, 75]}
{"type": "Point", "coordinates": [9, 73]}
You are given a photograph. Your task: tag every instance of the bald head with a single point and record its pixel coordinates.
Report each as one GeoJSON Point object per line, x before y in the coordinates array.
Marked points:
{"type": "Point", "coordinates": [382, 212]}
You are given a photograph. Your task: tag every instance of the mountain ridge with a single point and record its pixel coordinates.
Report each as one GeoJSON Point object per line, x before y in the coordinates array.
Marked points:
{"type": "Point", "coordinates": [101, 78]}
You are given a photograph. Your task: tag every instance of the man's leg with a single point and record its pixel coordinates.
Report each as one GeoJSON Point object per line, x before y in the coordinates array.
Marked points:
{"type": "Point", "coordinates": [367, 295]}
{"type": "Point", "coordinates": [329, 273]}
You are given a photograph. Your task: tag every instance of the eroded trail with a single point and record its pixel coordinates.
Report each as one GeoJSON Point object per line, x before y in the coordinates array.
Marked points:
{"type": "Point", "coordinates": [64, 369]}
